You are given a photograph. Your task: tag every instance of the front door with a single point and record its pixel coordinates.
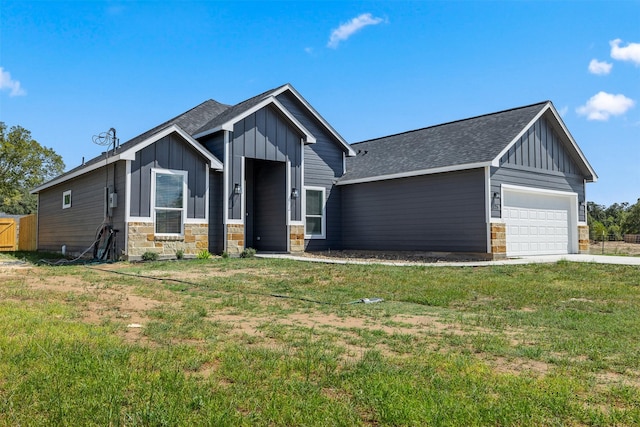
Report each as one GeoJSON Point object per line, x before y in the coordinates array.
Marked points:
{"type": "Point", "coordinates": [266, 205]}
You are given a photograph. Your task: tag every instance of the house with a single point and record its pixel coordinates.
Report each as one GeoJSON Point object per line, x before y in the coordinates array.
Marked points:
{"type": "Point", "coordinates": [272, 174]}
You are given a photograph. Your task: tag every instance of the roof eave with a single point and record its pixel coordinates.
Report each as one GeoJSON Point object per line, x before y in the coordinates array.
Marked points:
{"type": "Point", "coordinates": [431, 171]}
{"type": "Point", "coordinates": [349, 151]}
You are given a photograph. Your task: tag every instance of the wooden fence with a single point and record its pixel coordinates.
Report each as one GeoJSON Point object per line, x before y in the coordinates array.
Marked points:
{"type": "Point", "coordinates": [27, 233]}
{"type": "Point", "coordinates": [7, 235]}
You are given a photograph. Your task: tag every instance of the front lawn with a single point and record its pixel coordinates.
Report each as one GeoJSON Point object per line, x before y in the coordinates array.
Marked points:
{"type": "Point", "coordinates": [279, 342]}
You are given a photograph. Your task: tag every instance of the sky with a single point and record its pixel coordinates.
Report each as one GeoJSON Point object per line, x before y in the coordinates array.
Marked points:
{"type": "Point", "coordinates": [72, 70]}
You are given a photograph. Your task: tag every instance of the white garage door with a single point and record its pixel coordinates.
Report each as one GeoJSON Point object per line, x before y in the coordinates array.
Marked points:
{"type": "Point", "coordinates": [537, 224]}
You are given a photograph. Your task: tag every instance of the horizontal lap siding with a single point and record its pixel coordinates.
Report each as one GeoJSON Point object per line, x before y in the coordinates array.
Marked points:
{"type": "Point", "coordinates": [441, 212]}
{"type": "Point", "coordinates": [323, 165]}
{"type": "Point", "coordinates": [76, 226]}
{"type": "Point", "coordinates": [528, 178]}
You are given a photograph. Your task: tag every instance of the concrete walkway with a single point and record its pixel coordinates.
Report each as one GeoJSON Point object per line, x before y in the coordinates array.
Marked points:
{"type": "Point", "coordinates": [599, 259]}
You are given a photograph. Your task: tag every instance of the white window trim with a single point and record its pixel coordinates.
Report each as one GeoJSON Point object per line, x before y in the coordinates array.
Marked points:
{"type": "Point", "coordinates": [324, 212]}
{"type": "Point", "coordinates": [64, 196]}
{"type": "Point", "coordinates": [184, 175]}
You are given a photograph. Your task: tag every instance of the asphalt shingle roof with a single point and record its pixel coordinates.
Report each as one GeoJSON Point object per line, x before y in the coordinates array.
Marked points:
{"type": "Point", "coordinates": [474, 140]}
{"type": "Point", "coordinates": [234, 111]}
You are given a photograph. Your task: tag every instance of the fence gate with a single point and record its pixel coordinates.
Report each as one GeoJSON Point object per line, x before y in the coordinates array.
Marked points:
{"type": "Point", "coordinates": [7, 235]}
{"type": "Point", "coordinates": [27, 233]}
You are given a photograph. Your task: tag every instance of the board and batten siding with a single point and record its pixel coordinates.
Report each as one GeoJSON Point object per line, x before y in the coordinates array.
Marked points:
{"type": "Point", "coordinates": [170, 152]}
{"type": "Point", "coordinates": [539, 160]}
{"type": "Point", "coordinates": [76, 226]}
{"type": "Point", "coordinates": [323, 166]}
{"type": "Point", "coordinates": [264, 135]}
{"type": "Point", "coordinates": [439, 212]}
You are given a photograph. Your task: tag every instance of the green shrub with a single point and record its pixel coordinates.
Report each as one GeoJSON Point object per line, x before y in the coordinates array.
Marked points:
{"type": "Point", "coordinates": [150, 256]}
{"type": "Point", "coordinates": [179, 253]}
{"type": "Point", "coordinates": [204, 254]}
{"type": "Point", "coordinates": [248, 253]}
{"type": "Point", "coordinates": [225, 254]}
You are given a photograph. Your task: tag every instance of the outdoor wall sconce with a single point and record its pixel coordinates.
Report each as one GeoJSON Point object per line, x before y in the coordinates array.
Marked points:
{"type": "Point", "coordinates": [294, 193]}
{"type": "Point", "coordinates": [496, 199]}
{"type": "Point", "coordinates": [237, 189]}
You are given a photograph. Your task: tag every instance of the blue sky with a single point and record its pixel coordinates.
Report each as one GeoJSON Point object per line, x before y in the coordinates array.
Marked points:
{"type": "Point", "coordinates": [71, 70]}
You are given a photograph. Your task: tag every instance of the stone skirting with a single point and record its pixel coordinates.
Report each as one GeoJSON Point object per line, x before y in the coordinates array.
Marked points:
{"type": "Point", "coordinates": [296, 238]}
{"type": "Point", "coordinates": [498, 240]}
{"type": "Point", "coordinates": [141, 238]}
{"type": "Point", "coordinates": [235, 239]}
{"type": "Point", "coordinates": [583, 239]}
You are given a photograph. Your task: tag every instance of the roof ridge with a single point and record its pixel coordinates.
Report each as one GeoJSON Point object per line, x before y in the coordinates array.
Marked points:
{"type": "Point", "coordinates": [452, 122]}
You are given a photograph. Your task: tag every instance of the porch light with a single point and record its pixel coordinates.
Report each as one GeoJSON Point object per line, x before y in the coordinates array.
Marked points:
{"type": "Point", "coordinates": [237, 189]}
{"type": "Point", "coordinates": [496, 199]}
{"type": "Point", "coordinates": [294, 193]}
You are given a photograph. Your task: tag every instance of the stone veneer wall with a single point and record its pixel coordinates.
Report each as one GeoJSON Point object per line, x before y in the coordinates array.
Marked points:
{"type": "Point", "coordinates": [498, 240]}
{"type": "Point", "coordinates": [235, 239]}
{"type": "Point", "coordinates": [296, 238]}
{"type": "Point", "coordinates": [583, 239]}
{"type": "Point", "coordinates": [141, 238]}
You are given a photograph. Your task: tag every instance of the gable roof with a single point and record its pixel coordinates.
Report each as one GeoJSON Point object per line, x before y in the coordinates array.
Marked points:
{"type": "Point", "coordinates": [464, 144]}
{"type": "Point", "coordinates": [183, 124]}
{"type": "Point", "coordinates": [234, 114]}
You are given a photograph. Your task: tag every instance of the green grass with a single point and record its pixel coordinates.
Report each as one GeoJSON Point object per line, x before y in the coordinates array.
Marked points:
{"type": "Point", "coordinates": [555, 344]}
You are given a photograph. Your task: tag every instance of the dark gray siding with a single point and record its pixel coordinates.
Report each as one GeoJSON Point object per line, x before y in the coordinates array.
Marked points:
{"type": "Point", "coordinates": [440, 212]}
{"type": "Point", "coordinates": [264, 135]}
{"type": "Point", "coordinates": [528, 178]}
{"type": "Point", "coordinates": [539, 160]}
{"type": "Point", "coordinates": [76, 226]}
{"type": "Point", "coordinates": [170, 152]}
{"type": "Point", "coordinates": [323, 165]}
{"type": "Point", "coordinates": [216, 229]}
{"type": "Point", "coordinates": [215, 144]}
{"type": "Point", "coordinates": [540, 148]}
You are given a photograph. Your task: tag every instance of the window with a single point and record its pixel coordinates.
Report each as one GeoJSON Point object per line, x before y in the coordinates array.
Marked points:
{"type": "Point", "coordinates": [314, 224]}
{"type": "Point", "coordinates": [169, 195]}
{"type": "Point", "coordinates": [66, 199]}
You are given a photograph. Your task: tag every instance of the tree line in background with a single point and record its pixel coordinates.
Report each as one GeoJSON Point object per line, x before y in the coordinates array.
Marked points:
{"type": "Point", "coordinates": [24, 164]}
{"type": "Point", "coordinates": [612, 222]}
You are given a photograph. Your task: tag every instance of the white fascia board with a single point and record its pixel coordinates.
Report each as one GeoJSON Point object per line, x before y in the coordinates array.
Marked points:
{"type": "Point", "coordinates": [496, 161]}
{"type": "Point", "coordinates": [130, 154]}
{"type": "Point", "coordinates": [309, 138]}
{"type": "Point", "coordinates": [350, 151]}
{"type": "Point", "coordinates": [453, 168]}
{"type": "Point", "coordinates": [573, 142]}
{"type": "Point", "coordinates": [75, 174]}
{"type": "Point", "coordinates": [554, 112]}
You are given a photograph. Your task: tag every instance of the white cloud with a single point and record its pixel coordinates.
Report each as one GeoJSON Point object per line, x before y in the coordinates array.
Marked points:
{"type": "Point", "coordinates": [12, 85]}
{"type": "Point", "coordinates": [603, 105]}
{"type": "Point", "coordinates": [563, 111]}
{"type": "Point", "coordinates": [346, 30]}
{"type": "Point", "coordinates": [631, 52]}
{"type": "Point", "coordinates": [600, 68]}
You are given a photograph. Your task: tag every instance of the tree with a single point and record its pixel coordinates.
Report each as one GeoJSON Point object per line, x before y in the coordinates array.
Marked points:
{"type": "Point", "coordinates": [24, 164]}
{"type": "Point", "coordinates": [631, 224]}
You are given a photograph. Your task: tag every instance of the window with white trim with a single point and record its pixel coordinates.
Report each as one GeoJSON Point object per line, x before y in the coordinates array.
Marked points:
{"type": "Point", "coordinates": [66, 199]}
{"type": "Point", "coordinates": [315, 214]}
{"type": "Point", "coordinates": [169, 195]}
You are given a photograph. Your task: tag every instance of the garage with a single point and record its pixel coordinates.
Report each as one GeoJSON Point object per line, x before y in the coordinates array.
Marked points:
{"type": "Point", "coordinates": [539, 222]}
